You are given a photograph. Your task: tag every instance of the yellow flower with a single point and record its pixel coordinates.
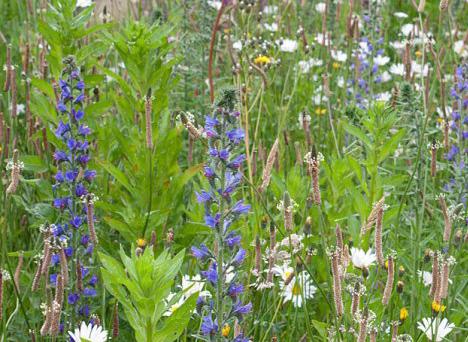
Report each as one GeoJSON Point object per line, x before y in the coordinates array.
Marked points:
{"type": "Point", "coordinates": [418, 53]}
{"type": "Point", "coordinates": [262, 60]}
{"type": "Point", "coordinates": [226, 329]}
{"type": "Point", "coordinates": [336, 65]}
{"type": "Point", "coordinates": [403, 314]}
{"type": "Point", "coordinates": [437, 307]}
{"type": "Point", "coordinates": [320, 111]}
{"type": "Point", "coordinates": [141, 243]}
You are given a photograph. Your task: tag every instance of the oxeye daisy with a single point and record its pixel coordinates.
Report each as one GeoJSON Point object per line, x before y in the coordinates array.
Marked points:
{"type": "Point", "coordinates": [299, 289]}
{"type": "Point", "coordinates": [88, 333]}
{"type": "Point", "coordinates": [361, 259]}
{"type": "Point", "coordinates": [435, 329]}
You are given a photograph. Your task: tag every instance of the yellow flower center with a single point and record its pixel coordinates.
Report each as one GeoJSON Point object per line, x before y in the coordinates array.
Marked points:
{"type": "Point", "coordinates": [437, 307]}
{"type": "Point", "coordinates": [403, 314]}
{"type": "Point", "coordinates": [261, 60]}
{"type": "Point", "coordinates": [320, 111]}
{"type": "Point", "coordinates": [296, 290]}
{"type": "Point", "coordinates": [226, 329]}
{"type": "Point", "coordinates": [141, 243]}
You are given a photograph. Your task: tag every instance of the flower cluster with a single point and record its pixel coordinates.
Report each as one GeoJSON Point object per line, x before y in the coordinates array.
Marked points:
{"type": "Point", "coordinates": [69, 243]}
{"type": "Point", "coordinates": [221, 211]}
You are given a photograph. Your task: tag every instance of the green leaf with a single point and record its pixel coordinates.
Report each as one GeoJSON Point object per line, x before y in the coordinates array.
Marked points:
{"type": "Point", "coordinates": [117, 174]}
{"type": "Point", "coordinates": [391, 145]}
{"type": "Point", "coordinates": [176, 323]}
{"type": "Point", "coordinates": [358, 133]}
{"type": "Point", "coordinates": [34, 163]}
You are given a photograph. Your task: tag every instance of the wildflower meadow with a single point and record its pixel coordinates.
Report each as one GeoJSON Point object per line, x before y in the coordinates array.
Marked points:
{"type": "Point", "coordinates": [233, 170]}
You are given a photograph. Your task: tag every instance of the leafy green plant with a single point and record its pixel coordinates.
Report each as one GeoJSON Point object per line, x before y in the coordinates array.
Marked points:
{"type": "Point", "coordinates": [141, 284]}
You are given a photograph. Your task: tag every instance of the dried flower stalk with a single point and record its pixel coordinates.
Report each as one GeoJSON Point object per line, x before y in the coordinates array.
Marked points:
{"type": "Point", "coordinates": [269, 166]}
{"type": "Point", "coordinates": [337, 284]}
{"type": "Point", "coordinates": [390, 278]}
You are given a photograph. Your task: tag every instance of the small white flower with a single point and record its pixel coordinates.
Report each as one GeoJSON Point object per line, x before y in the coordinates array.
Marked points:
{"type": "Point", "coordinates": [407, 29]}
{"type": "Point", "coordinates": [88, 333]}
{"type": "Point", "coordinates": [460, 48]}
{"type": "Point", "coordinates": [323, 39]}
{"type": "Point", "coordinates": [340, 82]}
{"type": "Point", "coordinates": [435, 329]}
{"type": "Point", "coordinates": [361, 259]}
{"type": "Point", "coordinates": [398, 45]}
{"type": "Point", "coordinates": [418, 69]}
{"type": "Point", "coordinates": [384, 97]}
{"type": "Point", "coordinates": [287, 45]}
{"type": "Point", "coordinates": [174, 306]}
{"type": "Point", "coordinates": [191, 285]}
{"type": "Point", "coordinates": [284, 271]}
{"type": "Point", "coordinates": [273, 27]}
{"type": "Point", "coordinates": [385, 76]}
{"type": "Point", "coordinates": [400, 15]}
{"type": "Point", "coordinates": [84, 3]}
{"type": "Point", "coordinates": [339, 56]}
{"type": "Point", "coordinates": [427, 278]}
{"type": "Point", "coordinates": [320, 7]}
{"type": "Point", "coordinates": [397, 69]}
{"type": "Point", "coordinates": [294, 241]}
{"type": "Point", "coordinates": [237, 45]}
{"type": "Point", "coordinates": [299, 289]}
{"type": "Point", "coordinates": [215, 4]}
{"type": "Point", "coordinates": [270, 9]}
{"type": "Point", "coordinates": [381, 60]}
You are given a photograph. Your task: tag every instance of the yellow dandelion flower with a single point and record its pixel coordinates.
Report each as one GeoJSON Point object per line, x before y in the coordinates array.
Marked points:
{"type": "Point", "coordinates": [262, 60]}
{"type": "Point", "coordinates": [437, 307]}
{"type": "Point", "coordinates": [336, 65]}
{"type": "Point", "coordinates": [320, 111]}
{"type": "Point", "coordinates": [403, 314]}
{"type": "Point", "coordinates": [418, 53]}
{"type": "Point", "coordinates": [141, 243]}
{"type": "Point", "coordinates": [226, 329]}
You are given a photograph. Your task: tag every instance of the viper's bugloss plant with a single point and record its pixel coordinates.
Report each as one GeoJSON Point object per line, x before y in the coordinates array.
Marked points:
{"type": "Point", "coordinates": [67, 263]}
{"type": "Point", "coordinates": [223, 172]}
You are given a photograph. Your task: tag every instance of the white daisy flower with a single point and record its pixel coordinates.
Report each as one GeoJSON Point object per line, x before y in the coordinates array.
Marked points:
{"type": "Point", "coordinates": [299, 289]}
{"type": "Point", "coordinates": [418, 69]}
{"type": "Point", "coordinates": [397, 69]}
{"type": "Point", "coordinates": [385, 76]}
{"type": "Point", "coordinates": [384, 97]}
{"type": "Point", "coordinates": [284, 271]}
{"type": "Point", "coordinates": [340, 82]}
{"type": "Point", "coordinates": [84, 3]}
{"type": "Point", "coordinates": [407, 29]}
{"type": "Point", "coordinates": [287, 45]}
{"type": "Point", "coordinates": [460, 48]}
{"type": "Point", "coordinates": [381, 60]}
{"type": "Point", "coordinates": [320, 7]}
{"type": "Point", "coordinates": [427, 278]}
{"type": "Point", "coordinates": [361, 259]}
{"type": "Point", "coordinates": [398, 45]}
{"type": "Point", "coordinates": [191, 285]}
{"type": "Point", "coordinates": [435, 329]}
{"type": "Point", "coordinates": [174, 306]}
{"type": "Point", "coordinates": [400, 15]}
{"type": "Point", "coordinates": [88, 333]}
{"type": "Point", "coordinates": [273, 27]}
{"type": "Point", "coordinates": [323, 40]}
{"type": "Point", "coordinates": [215, 4]}
{"type": "Point", "coordinates": [270, 9]}
{"type": "Point", "coordinates": [237, 45]}
{"type": "Point", "coordinates": [339, 56]}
